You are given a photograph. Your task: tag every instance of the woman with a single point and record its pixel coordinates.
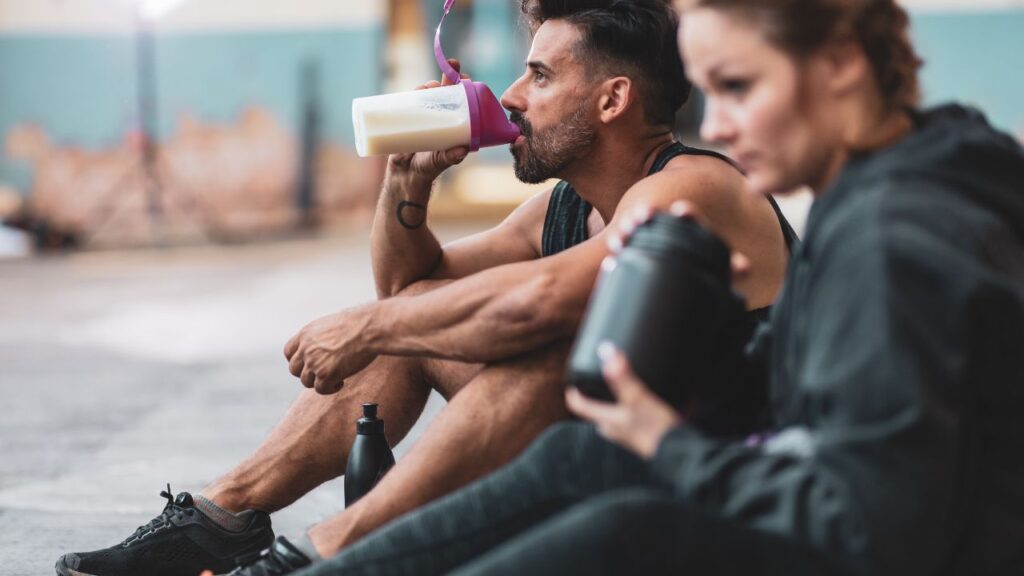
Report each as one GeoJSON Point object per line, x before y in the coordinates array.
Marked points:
{"type": "Point", "coordinates": [896, 353]}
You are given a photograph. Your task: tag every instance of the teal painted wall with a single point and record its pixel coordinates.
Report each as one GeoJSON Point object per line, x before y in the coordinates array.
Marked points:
{"type": "Point", "coordinates": [975, 58]}
{"type": "Point", "coordinates": [82, 89]}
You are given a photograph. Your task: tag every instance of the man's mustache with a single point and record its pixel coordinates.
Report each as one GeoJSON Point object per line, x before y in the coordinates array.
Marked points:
{"type": "Point", "coordinates": [524, 125]}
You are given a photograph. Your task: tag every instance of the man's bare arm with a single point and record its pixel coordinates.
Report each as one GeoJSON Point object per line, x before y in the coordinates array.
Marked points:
{"type": "Point", "coordinates": [494, 314]}
{"type": "Point", "coordinates": [516, 308]}
{"type": "Point", "coordinates": [499, 312]}
{"type": "Point", "coordinates": [403, 248]}
{"type": "Point", "coordinates": [402, 256]}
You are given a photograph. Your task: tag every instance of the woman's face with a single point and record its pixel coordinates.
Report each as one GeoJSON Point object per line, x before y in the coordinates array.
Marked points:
{"type": "Point", "coordinates": [767, 109]}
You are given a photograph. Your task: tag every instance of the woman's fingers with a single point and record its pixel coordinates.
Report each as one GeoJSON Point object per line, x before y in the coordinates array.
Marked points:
{"type": "Point", "coordinates": [622, 382]}
{"type": "Point", "coordinates": [588, 408]}
{"type": "Point", "coordinates": [740, 266]}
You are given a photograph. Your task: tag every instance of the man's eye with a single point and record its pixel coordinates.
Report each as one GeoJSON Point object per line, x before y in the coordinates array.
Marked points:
{"type": "Point", "coordinates": [538, 76]}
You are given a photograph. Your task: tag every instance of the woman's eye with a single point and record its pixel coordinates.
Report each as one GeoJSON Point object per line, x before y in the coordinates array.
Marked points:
{"type": "Point", "coordinates": [734, 86]}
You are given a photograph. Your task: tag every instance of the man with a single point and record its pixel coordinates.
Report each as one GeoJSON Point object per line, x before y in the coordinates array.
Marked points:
{"type": "Point", "coordinates": [487, 320]}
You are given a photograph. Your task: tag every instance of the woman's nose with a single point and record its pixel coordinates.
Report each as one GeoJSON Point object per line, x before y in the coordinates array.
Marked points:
{"type": "Point", "coordinates": [716, 126]}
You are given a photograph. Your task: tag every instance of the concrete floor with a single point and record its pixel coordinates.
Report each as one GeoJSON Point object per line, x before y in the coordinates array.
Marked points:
{"type": "Point", "coordinates": [120, 372]}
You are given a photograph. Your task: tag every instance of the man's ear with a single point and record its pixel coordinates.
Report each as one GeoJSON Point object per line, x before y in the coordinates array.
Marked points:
{"type": "Point", "coordinates": [616, 96]}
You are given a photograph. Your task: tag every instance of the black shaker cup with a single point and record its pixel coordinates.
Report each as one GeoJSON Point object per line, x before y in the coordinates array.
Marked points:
{"type": "Point", "coordinates": [666, 302]}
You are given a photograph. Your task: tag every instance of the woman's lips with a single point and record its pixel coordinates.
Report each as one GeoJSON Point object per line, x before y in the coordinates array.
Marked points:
{"type": "Point", "coordinates": [745, 161]}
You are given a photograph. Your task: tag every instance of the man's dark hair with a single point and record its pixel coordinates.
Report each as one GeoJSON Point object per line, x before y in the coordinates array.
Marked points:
{"type": "Point", "coordinates": [633, 38]}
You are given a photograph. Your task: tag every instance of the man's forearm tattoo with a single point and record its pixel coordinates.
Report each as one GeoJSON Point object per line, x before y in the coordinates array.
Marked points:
{"type": "Point", "coordinates": [419, 214]}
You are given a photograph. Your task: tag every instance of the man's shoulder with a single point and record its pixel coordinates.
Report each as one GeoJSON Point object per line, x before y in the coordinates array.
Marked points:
{"type": "Point", "coordinates": [528, 218]}
{"type": "Point", "coordinates": [702, 180]}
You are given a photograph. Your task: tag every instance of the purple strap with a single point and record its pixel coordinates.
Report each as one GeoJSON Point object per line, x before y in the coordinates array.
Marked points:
{"type": "Point", "coordinates": [453, 76]}
{"type": "Point", "coordinates": [446, 68]}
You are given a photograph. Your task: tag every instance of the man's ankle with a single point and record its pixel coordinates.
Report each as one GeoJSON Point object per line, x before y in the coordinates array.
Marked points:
{"type": "Point", "coordinates": [306, 545]}
{"type": "Point", "coordinates": [231, 500]}
{"type": "Point", "coordinates": [328, 538]}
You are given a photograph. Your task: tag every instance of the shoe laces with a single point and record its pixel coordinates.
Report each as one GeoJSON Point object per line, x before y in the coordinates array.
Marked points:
{"type": "Point", "coordinates": [172, 510]}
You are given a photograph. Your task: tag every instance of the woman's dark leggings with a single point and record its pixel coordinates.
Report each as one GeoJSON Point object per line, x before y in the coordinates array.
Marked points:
{"type": "Point", "coordinates": [573, 503]}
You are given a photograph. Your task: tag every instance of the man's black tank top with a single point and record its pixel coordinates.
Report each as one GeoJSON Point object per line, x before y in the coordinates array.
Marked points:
{"type": "Point", "coordinates": [565, 224]}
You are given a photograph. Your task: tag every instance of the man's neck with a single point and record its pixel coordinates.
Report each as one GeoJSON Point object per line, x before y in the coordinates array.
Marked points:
{"type": "Point", "coordinates": [613, 167]}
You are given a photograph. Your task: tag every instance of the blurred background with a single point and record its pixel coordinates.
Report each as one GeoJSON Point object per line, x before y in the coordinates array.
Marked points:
{"type": "Point", "coordinates": [179, 194]}
{"type": "Point", "coordinates": [132, 122]}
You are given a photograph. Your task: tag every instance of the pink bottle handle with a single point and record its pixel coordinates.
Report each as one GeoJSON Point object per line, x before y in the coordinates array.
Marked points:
{"type": "Point", "coordinates": [446, 68]}
{"type": "Point", "coordinates": [488, 124]}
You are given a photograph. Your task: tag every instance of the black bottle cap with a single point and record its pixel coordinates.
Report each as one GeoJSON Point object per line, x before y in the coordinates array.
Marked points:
{"type": "Point", "coordinates": [684, 238]}
{"type": "Point", "coordinates": [369, 423]}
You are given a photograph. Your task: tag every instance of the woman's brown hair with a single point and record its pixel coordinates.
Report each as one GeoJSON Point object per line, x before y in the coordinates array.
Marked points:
{"type": "Point", "coordinates": [800, 27]}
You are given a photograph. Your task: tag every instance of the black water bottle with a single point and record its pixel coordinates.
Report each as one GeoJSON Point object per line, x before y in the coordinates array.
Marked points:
{"type": "Point", "coordinates": [666, 302]}
{"type": "Point", "coordinates": [370, 457]}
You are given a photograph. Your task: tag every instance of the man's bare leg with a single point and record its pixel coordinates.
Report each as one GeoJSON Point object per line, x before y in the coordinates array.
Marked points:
{"type": "Point", "coordinates": [487, 423]}
{"type": "Point", "coordinates": [309, 446]}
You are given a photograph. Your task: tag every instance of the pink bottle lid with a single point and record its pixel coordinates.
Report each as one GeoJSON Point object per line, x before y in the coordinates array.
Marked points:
{"type": "Point", "coordinates": [488, 124]}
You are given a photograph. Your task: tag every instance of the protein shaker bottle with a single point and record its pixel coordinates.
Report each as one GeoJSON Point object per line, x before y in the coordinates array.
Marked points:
{"type": "Point", "coordinates": [370, 457]}
{"type": "Point", "coordinates": [463, 114]}
{"type": "Point", "coordinates": [666, 302]}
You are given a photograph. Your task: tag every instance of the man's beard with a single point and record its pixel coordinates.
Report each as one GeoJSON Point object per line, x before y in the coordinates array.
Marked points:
{"type": "Point", "coordinates": [547, 153]}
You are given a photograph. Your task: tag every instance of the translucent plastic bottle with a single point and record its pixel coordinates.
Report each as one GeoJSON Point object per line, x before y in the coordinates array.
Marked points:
{"type": "Point", "coordinates": [465, 113]}
{"type": "Point", "coordinates": [370, 457]}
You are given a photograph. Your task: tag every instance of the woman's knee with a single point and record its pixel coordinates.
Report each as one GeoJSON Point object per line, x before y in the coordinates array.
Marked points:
{"type": "Point", "coordinates": [563, 441]}
{"type": "Point", "coordinates": [582, 461]}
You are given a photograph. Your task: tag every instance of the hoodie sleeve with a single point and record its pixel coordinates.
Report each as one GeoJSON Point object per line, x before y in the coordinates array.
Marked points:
{"type": "Point", "coordinates": [865, 469]}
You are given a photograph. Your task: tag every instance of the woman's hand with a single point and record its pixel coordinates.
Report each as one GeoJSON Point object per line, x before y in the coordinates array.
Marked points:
{"type": "Point", "coordinates": [617, 237]}
{"type": "Point", "coordinates": [638, 419]}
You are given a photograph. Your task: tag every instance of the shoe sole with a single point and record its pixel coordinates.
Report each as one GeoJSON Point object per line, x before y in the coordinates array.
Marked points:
{"type": "Point", "coordinates": [63, 570]}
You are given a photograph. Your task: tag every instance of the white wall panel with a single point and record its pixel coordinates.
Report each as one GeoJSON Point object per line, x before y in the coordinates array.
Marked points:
{"type": "Point", "coordinates": [247, 14]}
{"type": "Point", "coordinates": [106, 16]}
{"type": "Point", "coordinates": [65, 16]}
{"type": "Point", "coordinates": [961, 5]}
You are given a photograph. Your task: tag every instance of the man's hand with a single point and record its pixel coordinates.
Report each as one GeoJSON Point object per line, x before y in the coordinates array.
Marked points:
{"type": "Point", "coordinates": [638, 420]}
{"type": "Point", "coordinates": [422, 168]}
{"type": "Point", "coordinates": [330, 349]}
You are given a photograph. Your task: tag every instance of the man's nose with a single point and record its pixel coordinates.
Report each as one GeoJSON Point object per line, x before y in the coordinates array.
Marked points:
{"type": "Point", "coordinates": [512, 99]}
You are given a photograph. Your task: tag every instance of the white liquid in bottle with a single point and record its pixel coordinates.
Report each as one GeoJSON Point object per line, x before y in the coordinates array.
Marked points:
{"type": "Point", "coordinates": [417, 121]}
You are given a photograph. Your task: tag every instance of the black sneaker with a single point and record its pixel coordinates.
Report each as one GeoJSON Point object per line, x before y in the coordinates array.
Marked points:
{"type": "Point", "coordinates": [181, 541]}
{"type": "Point", "coordinates": [281, 558]}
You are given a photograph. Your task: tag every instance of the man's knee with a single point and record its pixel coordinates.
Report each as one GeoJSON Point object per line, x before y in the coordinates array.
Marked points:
{"type": "Point", "coordinates": [548, 360]}
{"type": "Point", "coordinates": [538, 374]}
{"type": "Point", "coordinates": [422, 287]}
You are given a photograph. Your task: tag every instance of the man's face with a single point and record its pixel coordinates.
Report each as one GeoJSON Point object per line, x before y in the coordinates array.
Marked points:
{"type": "Point", "coordinates": [550, 104]}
